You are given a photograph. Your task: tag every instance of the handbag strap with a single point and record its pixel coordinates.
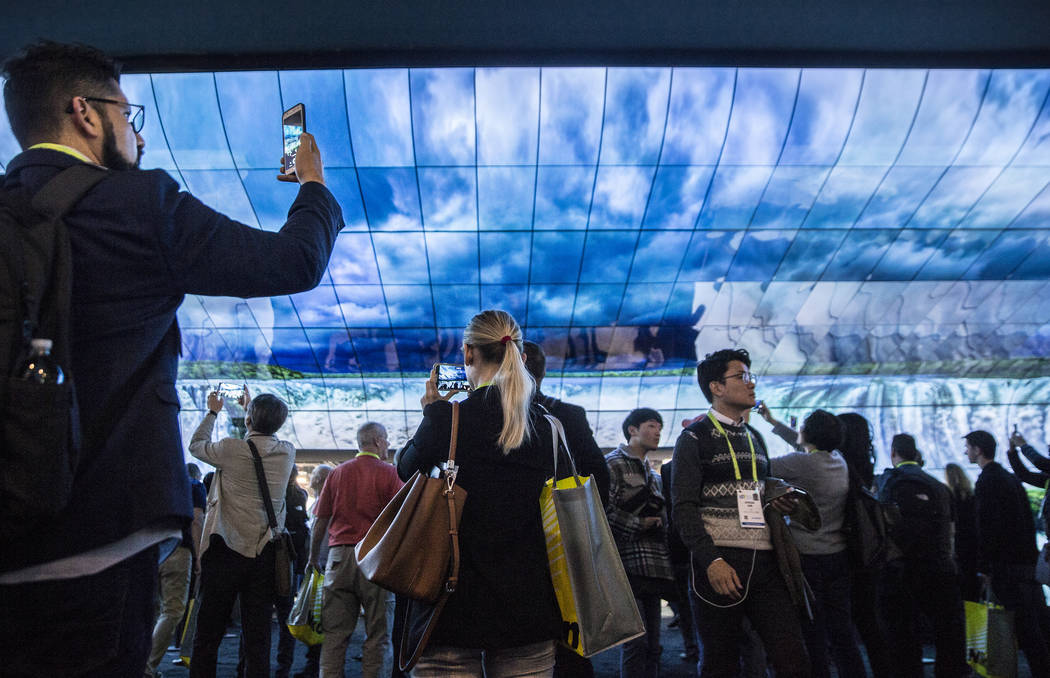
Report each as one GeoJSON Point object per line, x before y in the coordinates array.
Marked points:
{"type": "Point", "coordinates": [451, 471]}
{"type": "Point", "coordinates": [264, 489]}
{"type": "Point", "coordinates": [558, 432]}
{"type": "Point", "coordinates": [406, 656]}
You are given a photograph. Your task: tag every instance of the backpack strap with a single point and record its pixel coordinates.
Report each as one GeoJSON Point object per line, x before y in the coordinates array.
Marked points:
{"type": "Point", "coordinates": [65, 190]}
{"type": "Point", "coordinates": [53, 201]}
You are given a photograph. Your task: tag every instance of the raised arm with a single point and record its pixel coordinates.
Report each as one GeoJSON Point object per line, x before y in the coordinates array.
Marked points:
{"type": "Point", "coordinates": [1022, 471]}
{"type": "Point", "coordinates": [429, 446]}
{"type": "Point", "coordinates": [1039, 461]}
{"type": "Point", "coordinates": [780, 429]}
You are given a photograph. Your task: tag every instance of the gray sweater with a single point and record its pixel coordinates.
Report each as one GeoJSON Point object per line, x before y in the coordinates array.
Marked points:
{"type": "Point", "coordinates": [825, 476]}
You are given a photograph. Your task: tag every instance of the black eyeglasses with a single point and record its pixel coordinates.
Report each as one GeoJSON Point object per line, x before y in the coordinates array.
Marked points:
{"type": "Point", "coordinates": [745, 377]}
{"type": "Point", "coordinates": [135, 113]}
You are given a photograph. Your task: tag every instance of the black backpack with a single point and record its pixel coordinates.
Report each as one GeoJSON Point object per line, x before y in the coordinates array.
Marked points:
{"type": "Point", "coordinates": [867, 537]}
{"type": "Point", "coordinates": [921, 529]}
{"type": "Point", "coordinates": [40, 425]}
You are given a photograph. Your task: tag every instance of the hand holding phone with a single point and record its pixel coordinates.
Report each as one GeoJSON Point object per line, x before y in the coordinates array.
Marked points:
{"type": "Point", "coordinates": [432, 394]}
{"type": "Point", "coordinates": [293, 124]}
{"type": "Point", "coordinates": [229, 390]}
{"type": "Point", "coordinates": [452, 377]}
{"type": "Point", "coordinates": [301, 161]}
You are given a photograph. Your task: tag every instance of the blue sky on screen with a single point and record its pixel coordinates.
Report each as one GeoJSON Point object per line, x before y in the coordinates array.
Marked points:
{"type": "Point", "coordinates": [836, 222]}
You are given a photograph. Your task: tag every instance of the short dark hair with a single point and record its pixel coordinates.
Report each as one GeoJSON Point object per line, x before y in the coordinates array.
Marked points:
{"type": "Point", "coordinates": [714, 365]}
{"type": "Point", "coordinates": [984, 441]}
{"type": "Point", "coordinates": [535, 361]}
{"type": "Point", "coordinates": [823, 430]}
{"type": "Point", "coordinates": [904, 445]}
{"type": "Point", "coordinates": [268, 413]}
{"type": "Point", "coordinates": [43, 76]}
{"type": "Point", "coordinates": [638, 417]}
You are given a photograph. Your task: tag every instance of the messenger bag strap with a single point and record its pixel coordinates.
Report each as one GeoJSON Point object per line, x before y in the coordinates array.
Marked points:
{"type": "Point", "coordinates": [264, 489]}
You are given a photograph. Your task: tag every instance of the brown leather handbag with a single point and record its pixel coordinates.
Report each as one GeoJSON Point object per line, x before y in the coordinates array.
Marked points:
{"type": "Point", "coordinates": [412, 549]}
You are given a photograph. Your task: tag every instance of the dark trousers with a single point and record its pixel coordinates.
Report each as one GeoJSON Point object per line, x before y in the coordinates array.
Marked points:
{"type": "Point", "coordinates": [828, 576]}
{"type": "Point", "coordinates": [568, 664]}
{"type": "Point", "coordinates": [225, 574]}
{"type": "Point", "coordinates": [285, 639]}
{"type": "Point", "coordinates": [640, 657]}
{"type": "Point", "coordinates": [98, 625]}
{"type": "Point", "coordinates": [685, 611]}
{"type": "Point", "coordinates": [767, 605]}
{"type": "Point", "coordinates": [864, 596]}
{"type": "Point", "coordinates": [1017, 591]}
{"type": "Point", "coordinates": [908, 591]}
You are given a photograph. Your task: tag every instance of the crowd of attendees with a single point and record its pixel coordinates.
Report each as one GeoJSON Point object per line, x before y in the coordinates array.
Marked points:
{"type": "Point", "coordinates": [684, 530]}
{"type": "Point", "coordinates": [753, 550]}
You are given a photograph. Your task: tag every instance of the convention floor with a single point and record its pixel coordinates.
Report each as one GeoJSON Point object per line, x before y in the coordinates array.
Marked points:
{"type": "Point", "coordinates": [606, 664]}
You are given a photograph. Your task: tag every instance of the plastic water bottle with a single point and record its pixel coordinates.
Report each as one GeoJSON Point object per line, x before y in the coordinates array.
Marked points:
{"type": "Point", "coordinates": [40, 367]}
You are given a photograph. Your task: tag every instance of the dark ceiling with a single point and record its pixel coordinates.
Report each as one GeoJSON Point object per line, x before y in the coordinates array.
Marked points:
{"type": "Point", "coordinates": [210, 35]}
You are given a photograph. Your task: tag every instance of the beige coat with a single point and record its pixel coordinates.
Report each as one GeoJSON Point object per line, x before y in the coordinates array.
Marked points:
{"type": "Point", "coordinates": [235, 508]}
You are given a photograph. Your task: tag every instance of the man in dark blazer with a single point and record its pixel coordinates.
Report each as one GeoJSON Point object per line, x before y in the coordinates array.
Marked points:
{"type": "Point", "coordinates": [1006, 551]}
{"type": "Point", "coordinates": [79, 588]}
{"type": "Point", "coordinates": [585, 451]}
{"type": "Point", "coordinates": [589, 462]}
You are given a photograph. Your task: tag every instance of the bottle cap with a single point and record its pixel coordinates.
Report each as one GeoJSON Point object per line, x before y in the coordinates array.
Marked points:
{"type": "Point", "coordinates": [41, 344]}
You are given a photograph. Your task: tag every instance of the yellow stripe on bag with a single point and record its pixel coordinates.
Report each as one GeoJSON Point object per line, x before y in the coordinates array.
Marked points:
{"type": "Point", "coordinates": [556, 559]}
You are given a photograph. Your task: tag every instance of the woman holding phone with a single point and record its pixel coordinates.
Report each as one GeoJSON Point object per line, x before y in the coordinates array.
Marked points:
{"type": "Point", "coordinates": [503, 618]}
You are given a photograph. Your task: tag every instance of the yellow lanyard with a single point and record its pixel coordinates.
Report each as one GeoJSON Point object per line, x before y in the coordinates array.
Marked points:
{"type": "Point", "coordinates": [750, 442]}
{"type": "Point", "coordinates": [372, 454]}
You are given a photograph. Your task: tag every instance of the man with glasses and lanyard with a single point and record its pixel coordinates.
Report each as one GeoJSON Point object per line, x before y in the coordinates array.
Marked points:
{"type": "Point", "coordinates": [720, 463]}
{"type": "Point", "coordinates": [78, 588]}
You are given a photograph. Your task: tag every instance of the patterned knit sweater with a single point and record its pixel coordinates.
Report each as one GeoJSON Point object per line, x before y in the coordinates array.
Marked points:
{"type": "Point", "coordinates": [704, 488]}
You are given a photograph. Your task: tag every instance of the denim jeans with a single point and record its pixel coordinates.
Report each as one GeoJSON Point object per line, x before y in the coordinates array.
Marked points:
{"type": "Point", "coordinates": [828, 576]}
{"type": "Point", "coordinates": [98, 625]}
{"type": "Point", "coordinates": [527, 661]}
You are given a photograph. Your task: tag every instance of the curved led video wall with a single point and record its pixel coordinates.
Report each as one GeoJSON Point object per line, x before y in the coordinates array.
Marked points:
{"type": "Point", "coordinates": [878, 239]}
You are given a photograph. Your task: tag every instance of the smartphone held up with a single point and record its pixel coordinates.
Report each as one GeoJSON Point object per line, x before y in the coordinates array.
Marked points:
{"type": "Point", "coordinates": [293, 124]}
{"type": "Point", "coordinates": [452, 377]}
{"type": "Point", "coordinates": [230, 391]}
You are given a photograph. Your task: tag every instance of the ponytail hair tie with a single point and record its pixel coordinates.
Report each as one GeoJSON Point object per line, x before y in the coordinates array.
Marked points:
{"type": "Point", "coordinates": [505, 339]}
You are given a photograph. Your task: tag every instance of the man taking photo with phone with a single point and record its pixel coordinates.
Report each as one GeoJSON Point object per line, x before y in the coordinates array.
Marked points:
{"type": "Point", "coordinates": [80, 584]}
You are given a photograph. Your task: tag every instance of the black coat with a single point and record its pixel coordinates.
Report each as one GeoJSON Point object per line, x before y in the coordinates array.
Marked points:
{"type": "Point", "coordinates": [1005, 526]}
{"type": "Point", "coordinates": [585, 451]}
{"type": "Point", "coordinates": [139, 246]}
{"type": "Point", "coordinates": [504, 597]}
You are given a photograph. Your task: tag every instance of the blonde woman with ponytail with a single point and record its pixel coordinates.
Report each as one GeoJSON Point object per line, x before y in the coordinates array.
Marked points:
{"type": "Point", "coordinates": [503, 618]}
